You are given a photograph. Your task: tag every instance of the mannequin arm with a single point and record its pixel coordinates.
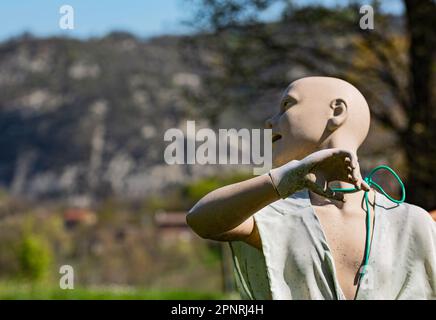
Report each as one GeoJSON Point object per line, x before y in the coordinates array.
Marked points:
{"type": "Point", "coordinates": [226, 213]}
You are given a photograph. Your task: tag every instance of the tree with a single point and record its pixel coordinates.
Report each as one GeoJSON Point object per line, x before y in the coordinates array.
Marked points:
{"type": "Point", "coordinates": [35, 257]}
{"type": "Point", "coordinates": [393, 65]}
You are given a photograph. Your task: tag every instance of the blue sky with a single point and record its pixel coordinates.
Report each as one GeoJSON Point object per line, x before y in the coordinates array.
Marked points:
{"type": "Point", "coordinates": [97, 17]}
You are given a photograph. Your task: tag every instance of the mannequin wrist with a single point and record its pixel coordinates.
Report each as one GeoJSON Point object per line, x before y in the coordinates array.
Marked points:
{"type": "Point", "coordinates": [286, 179]}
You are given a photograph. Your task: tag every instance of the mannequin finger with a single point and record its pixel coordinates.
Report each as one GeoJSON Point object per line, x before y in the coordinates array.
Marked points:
{"type": "Point", "coordinates": [328, 193]}
{"type": "Point", "coordinates": [351, 179]}
{"type": "Point", "coordinates": [358, 183]}
{"type": "Point", "coordinates": [349, 163]}
{"type": "Point", "coordinates": [365, 186]}
{"type": "Point", "coordinates": [361, 183]}
{"type": "Point", "coordinates": [356, 173]}
{"type": "Point", "coordinates": [353, 159]}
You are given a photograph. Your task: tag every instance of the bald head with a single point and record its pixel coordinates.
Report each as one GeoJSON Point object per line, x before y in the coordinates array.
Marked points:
{"type": "Point", "coordinates": [319, 112]}
{"type": "Point", "coordinates": [326, 93]}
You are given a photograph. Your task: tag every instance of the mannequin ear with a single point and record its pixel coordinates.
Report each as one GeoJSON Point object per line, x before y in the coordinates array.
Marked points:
{"type": "Point", "coordinates": [339, 114]}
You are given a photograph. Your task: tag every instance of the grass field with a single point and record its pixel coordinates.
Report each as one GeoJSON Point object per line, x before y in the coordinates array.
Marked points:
{"type": "Point", "coordinates": [14, 291]}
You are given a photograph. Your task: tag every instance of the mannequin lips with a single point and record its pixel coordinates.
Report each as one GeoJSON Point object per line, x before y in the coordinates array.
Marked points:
{"type": "Point", "coordinates": [276, 137]}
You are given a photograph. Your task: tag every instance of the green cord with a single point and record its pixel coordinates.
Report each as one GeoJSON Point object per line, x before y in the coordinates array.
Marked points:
{"type": "Point", "coordinates": [372, 183]}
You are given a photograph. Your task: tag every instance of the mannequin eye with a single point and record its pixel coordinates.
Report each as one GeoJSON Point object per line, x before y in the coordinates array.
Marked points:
{"type": "Point", "coordinates": [287, 104]}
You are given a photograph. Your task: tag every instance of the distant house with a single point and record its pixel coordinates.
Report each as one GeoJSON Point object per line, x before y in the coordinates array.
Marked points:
{"type": "Point", "coordinates": [74, 217]}
{"type": "Point", "coordinates": [172, 225]}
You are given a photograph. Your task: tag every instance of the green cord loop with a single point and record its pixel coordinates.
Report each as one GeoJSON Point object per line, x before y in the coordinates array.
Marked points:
{"type": "Point", "coordinates": [372, 183]}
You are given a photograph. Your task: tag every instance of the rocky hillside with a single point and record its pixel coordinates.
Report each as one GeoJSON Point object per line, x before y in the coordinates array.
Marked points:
{"type": "Point", "coordinates": [85, 119]}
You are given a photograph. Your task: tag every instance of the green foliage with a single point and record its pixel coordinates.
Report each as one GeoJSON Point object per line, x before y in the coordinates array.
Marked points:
{"type": "Point", "coordinates": [213, 254]}
{"type": "Point", "coordinates": [35, 257]}
{"type": "Point", "coordinates": [196, 190]}
{"type": "Point", "coordinates": [18, 291]}
{"type": "Point", "coordinates": [183, 197]}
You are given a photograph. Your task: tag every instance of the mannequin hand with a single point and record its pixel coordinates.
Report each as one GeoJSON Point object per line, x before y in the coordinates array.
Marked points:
{"type": "Point", "coordinates": [316, 171]}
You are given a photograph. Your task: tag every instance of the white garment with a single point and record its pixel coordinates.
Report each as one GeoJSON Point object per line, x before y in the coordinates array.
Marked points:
{"type": "Point", "coordinates": [297, 263]}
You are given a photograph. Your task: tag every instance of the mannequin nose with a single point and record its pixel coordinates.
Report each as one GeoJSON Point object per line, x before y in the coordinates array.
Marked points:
{"type": "Point", "coordinates": [271, 122]}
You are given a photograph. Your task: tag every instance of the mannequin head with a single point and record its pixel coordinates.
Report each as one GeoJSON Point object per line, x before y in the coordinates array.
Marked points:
{"type": "Point", "coordinates": [317, 113]}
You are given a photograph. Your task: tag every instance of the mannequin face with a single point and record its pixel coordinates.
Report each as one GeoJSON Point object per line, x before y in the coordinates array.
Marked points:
{"type": "Point", "coordinates": [317, 113]}
{"type": "Point", "coordinates": [299, 123]}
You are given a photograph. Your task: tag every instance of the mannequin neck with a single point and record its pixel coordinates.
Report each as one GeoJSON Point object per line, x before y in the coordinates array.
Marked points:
{"type": "Point", "coordinates": [341, 142]}
{"type": "Point", "coordinates": [351, 199]}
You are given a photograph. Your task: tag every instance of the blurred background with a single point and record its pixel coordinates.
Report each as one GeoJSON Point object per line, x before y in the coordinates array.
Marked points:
{"type": "Point", "coordinates": [83, 112]}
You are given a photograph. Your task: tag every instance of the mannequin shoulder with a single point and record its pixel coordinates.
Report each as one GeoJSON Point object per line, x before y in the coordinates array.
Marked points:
{"type": "Point", "coordinates": [409, 218]}
{"type": "Point", "coordinates": [419, 216]}
{"type": "Point", "coordinates": [422, 224]}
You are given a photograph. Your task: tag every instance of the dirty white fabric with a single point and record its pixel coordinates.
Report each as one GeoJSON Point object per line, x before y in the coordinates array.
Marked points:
{"type": "Point", "coordinates": [297, 263]}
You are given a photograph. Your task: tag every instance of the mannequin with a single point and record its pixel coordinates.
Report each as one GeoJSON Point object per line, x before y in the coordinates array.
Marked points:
{"type": "Point", "coordinates": [290, 238]}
